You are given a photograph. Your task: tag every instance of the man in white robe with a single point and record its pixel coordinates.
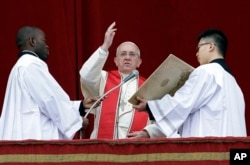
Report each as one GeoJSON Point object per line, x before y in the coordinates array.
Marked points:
{"type": "Point", "coordinates": [116, 117]}
{"type": "Point", "coordinates": [35, 106]}
{"type": "Point", "coordinates": [210, 103]}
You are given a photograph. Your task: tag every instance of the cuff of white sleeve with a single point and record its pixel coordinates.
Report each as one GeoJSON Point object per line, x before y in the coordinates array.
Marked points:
{"type": "Point", "coordinates": [103, 52]}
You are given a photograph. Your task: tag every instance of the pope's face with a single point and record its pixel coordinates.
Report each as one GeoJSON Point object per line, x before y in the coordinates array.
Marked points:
{"type": "Point", "coordinates": [127, 58]}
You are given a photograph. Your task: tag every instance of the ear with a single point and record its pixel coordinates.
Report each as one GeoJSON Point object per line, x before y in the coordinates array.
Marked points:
{"type": "Point", "coordinates": [115, 60]}
{"type": "Point", "coordinates": [212, 47]}
{"type": "Point", "coordinates": [32, 42]}
{"type": "Point", "coordinates": [139, 62]}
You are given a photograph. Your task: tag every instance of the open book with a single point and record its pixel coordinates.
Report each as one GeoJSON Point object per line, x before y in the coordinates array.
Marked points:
{"type": "Point", "coordinates": [167, 78]}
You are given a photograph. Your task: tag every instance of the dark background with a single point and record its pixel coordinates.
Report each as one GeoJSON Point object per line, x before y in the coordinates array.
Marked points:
{"type": "Point", "coordinates": [75, 28]}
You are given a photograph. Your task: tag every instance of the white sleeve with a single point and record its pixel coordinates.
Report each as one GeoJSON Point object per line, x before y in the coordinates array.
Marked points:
{"type": "Point", "coordinates": [171, 112]}
{"type": "Point", "coordinates": [52, 100]}
{"type": "Point", "coordinates": [91, 73]}
{"type": "Point", "coordinates": [154, 131]}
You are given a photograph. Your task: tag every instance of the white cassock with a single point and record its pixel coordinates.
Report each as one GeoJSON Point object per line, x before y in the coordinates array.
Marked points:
{"type": "Point", "coordinates": [35, 106]}
{"type": "Point", "coordinates": [209, 104]}
{"type": "Point", "coordinates": [93, 81]}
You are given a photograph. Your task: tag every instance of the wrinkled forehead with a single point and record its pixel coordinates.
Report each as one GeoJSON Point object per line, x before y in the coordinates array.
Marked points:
{"type": "Point", "coordinates": [128, 47]}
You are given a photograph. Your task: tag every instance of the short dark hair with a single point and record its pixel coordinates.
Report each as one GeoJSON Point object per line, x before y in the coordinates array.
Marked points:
{"type": "Point", "coordinates": [218, 37]}
{"type": "Point", "coordinates": [23, 34]}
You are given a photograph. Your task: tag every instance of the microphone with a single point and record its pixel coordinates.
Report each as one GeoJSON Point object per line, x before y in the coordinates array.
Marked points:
{"type": "Point", "coordinates": [134, 73]}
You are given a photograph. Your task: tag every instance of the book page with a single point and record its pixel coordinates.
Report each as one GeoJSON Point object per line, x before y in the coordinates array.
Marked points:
{"type": "Point", "coordinates": [167, 78]}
